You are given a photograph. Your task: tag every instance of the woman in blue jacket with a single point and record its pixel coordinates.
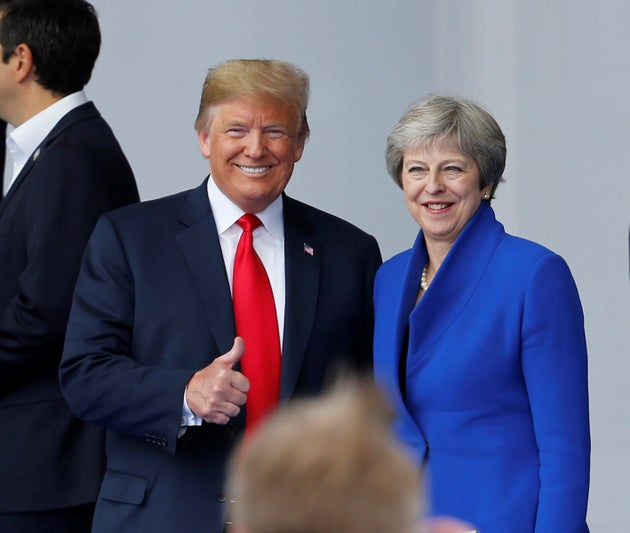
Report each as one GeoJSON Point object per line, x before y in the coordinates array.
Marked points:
{"type": "Point", "coordinates": [479, 337]}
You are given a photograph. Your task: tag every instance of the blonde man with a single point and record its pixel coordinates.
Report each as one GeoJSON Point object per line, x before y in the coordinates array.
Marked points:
{"type": "Point", "coordinates": [152, 352]}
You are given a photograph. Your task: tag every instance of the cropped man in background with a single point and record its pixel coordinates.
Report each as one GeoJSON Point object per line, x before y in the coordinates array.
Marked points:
{"type": "Point", "coordinates": [68, 169]}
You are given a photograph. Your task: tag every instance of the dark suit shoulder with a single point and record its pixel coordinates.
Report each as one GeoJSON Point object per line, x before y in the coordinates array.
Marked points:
{"type": "Point", "coordinates": [82, 126]}
{"type": "Point", "coordinates": [150, 211]}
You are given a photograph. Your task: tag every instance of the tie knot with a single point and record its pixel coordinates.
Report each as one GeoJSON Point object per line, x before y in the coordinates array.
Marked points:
{"type": "Point", "coordinates": [249, 222]}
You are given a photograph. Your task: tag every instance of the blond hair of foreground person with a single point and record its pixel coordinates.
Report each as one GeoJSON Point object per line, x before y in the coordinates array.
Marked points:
{"type": "Point", "coordinates": [328, 464]}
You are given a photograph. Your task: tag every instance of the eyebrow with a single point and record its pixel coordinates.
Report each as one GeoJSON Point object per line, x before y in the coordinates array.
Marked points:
{"type": "Point", "coordinates": [459, 160]}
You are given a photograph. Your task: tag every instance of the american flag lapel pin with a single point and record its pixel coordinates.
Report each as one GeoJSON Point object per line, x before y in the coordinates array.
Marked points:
{"type": "Point", "coordinates": [308, 249]}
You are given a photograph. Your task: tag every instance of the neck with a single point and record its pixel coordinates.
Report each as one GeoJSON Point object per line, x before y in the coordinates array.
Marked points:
{"type": "Point", "coordinates": [436, 252]}
{"type": "Point", "coordinates": [34, 102]}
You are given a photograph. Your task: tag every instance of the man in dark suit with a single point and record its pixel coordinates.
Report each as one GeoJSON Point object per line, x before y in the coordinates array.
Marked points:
{"type": "Point", "coordinates": [151, 352]}
{"type": "Point", "coordinates": [68, 169]}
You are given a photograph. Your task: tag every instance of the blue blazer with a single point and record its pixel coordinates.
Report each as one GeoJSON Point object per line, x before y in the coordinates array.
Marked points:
{"type": "Point", "coordinates": [48, 458]}
{"type": "Point", "coordinates": [493, 398]}
{"type": "Point", "coordinates": [153, 305]}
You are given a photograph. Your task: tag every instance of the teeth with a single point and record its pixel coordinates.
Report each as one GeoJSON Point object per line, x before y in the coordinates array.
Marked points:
{"type": "Point", "coordinates": [254, 170]}
{"type": "Point", "coordinates": [437, 206]}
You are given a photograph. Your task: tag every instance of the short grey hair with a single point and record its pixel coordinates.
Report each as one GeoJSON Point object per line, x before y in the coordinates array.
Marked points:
{"type": "Point", "coordinates": [437, 119]}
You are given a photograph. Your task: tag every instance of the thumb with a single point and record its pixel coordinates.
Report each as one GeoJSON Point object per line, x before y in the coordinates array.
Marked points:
{"type": "Point", "coordinates": [236, 352]}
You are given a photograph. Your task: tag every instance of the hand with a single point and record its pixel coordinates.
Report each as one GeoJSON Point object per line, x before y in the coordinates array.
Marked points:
{"type": "Point", "coordinates": [445, 524]}
{"type": "Point", "coordinates": [216, 392]}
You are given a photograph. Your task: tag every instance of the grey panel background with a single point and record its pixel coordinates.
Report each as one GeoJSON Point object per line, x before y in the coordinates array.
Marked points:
{"type": "Point", "coordinates": [556, 76]}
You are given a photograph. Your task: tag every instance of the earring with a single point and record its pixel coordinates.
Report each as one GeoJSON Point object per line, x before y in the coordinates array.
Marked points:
{"type": "Point", "coordinates": [486, 196]}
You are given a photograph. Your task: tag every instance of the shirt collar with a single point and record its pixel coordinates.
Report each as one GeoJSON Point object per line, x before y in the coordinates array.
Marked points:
{"type": "Point", "coordinates": [24, 140]}
{"type": "Point", "coordinates": [226, 212]}
{"type": "Point", "coordinates": [29, 135]}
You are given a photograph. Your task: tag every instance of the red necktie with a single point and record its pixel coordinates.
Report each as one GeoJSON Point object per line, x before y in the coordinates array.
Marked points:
{"type": "Point", "coordinates": [256, 322]}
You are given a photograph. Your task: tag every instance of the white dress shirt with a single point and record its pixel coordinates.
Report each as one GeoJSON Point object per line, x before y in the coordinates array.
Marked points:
{"type": "Point", "coordinates": [24, 140]}
{"type": "Point", "coordinates": [268, 243]}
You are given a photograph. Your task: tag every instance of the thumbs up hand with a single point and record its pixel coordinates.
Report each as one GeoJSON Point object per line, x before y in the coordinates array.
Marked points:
{"type": "Point", "coordinates": [217, 392]}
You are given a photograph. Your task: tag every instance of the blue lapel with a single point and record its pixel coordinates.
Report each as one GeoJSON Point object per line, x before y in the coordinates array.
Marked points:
{"type": "Point", "coordinates": [450, 290]}
{"type": "Point", "coordinates": [455, 282]}
{"type": "Point", "coordinates": [199, 243]}
{"type": "Point", "coordinates": [395, 302]}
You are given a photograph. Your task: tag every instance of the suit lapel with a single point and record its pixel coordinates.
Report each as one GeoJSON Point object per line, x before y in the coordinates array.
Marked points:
{"type": "Point", "coordinates": [455, 282]}
{"type": "Point", "coordinates": [302, 267]}
{"type": "Point", "coordinates": [398, 301]}
{"type": "Point", "coordinates": [83, 112]}
{"type": "Point", "coordinates": [199, 243]}
{"type": "Point", "coordinates": [20, 179]}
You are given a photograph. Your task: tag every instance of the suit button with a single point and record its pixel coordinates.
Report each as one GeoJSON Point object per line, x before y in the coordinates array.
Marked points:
{"type": "Point", "coordinates": [220, 496]}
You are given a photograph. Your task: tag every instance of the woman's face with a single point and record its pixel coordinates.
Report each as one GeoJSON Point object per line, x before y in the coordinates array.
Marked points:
{"type": "Point", "coordinates": [442, 190]}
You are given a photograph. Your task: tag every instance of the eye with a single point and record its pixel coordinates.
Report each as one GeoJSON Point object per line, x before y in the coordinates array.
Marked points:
{"type": "Point", "coordinates": [236, 132]}
{"type": "Point", "coordinates": [416, 170]}
{"type": "Point", "coordinates": [275, 133]}
{"type": "Point", "coordinates": [452, 168]}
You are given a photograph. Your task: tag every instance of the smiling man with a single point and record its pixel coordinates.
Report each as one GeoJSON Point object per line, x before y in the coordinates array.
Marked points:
{"type": "Point", "coordinates": [171, 347]}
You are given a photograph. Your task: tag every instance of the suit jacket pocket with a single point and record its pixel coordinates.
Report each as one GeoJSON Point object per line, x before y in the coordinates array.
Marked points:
{"type": "Point", "coordinates": [123, 488]}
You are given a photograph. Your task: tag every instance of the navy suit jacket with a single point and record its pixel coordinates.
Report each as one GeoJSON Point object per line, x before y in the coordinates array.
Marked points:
{"type": "Point", "coordinates": [496, 399]}
{"type": "Point", "coordinates": [153, 305]}
{"type": "Point", "coordinates": [48, 458]}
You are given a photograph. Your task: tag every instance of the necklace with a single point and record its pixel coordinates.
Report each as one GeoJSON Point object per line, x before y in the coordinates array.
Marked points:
{"type": "Point", "coordinates": [424, 284]}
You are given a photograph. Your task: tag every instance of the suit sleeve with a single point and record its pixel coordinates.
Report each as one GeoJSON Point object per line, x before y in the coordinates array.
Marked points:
{"type": "Point", "coordinates": [554, 362]}
{"type": "Point", "coordinates": [101, 380]}
{"type": "Point", "coordinates": [60, 213]}
{"type": "Point", "coordinates": [374, 262]}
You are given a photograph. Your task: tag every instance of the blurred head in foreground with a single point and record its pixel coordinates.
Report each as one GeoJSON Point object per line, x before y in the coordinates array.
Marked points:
{"type": "Point", "coordinates": [325, 464]}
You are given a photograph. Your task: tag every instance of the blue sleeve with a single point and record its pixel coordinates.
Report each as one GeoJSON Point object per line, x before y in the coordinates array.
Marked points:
{"type": "Point", "coordinates": [554, 360]}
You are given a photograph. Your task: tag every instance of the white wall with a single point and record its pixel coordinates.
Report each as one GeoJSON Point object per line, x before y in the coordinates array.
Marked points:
{"type": "Point", "coordinates": [555, 75]}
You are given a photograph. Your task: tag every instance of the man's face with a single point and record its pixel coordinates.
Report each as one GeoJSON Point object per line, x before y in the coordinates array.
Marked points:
{"type": "Point", "coordinates": [252, 148]}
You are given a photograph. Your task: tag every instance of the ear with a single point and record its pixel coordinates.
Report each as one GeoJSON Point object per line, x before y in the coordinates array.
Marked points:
{"type": "Point", "coordinates": [299, 149]}
{"type": "Point", "coordinates": [23, 62]}
{"type": "Point", "coordinates": [204, 142]}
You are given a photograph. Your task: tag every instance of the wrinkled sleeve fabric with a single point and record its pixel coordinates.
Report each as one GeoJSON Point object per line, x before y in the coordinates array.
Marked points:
{"type": "Point", "coordinates": [101, 379]}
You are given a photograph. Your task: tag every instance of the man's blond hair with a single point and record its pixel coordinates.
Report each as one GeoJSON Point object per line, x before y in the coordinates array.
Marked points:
{"type": "Point", "coordinates": [261, 80]}
{"type": "Point", "coordinates": [323, 465]}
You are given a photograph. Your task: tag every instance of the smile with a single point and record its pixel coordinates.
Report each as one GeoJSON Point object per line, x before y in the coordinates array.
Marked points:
{"type": "Point", "coordinates": [254, 170]}
{"type": "Point", "coordinates": [436, 207]}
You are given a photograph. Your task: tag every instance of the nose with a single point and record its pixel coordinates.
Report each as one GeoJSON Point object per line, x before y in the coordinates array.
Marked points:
{"type": "Point", "coordinates": [254, 144]}
{"type": "Point", "coordinates": [434, 182]}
